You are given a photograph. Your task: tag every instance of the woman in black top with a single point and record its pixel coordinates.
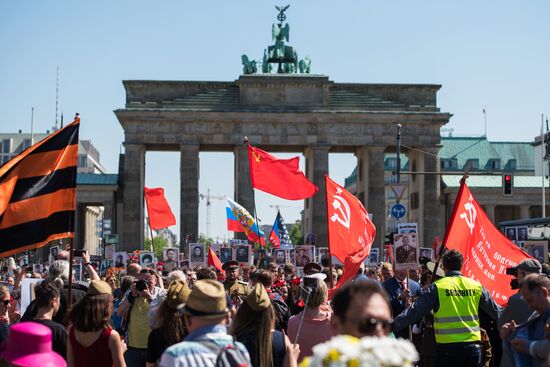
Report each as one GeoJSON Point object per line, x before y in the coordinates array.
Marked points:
{"type": "Point", "coordinates": [170, 328]}
{"type": "Point", "coordinates": [254, 326]}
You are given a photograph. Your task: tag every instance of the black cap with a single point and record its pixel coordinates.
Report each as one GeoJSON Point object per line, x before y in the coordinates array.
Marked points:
{"type": "Point", "coordinates": [530, 266]}
{"type": "Point", "coordinates": [312, 268]}
{"type": "Point", "coordinates": [229, 265]}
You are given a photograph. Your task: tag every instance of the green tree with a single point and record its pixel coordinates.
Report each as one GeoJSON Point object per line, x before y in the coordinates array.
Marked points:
{"type": "Point", "coordinates": [204, 239]}
{"type": "Point", "coordinates": [160, 243]}
{"type": "Point", "coordinates": [296, 235]}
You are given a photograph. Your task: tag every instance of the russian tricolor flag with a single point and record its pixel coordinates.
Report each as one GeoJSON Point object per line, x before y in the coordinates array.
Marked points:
{"type": "Point", "coordinates": [240, 220]}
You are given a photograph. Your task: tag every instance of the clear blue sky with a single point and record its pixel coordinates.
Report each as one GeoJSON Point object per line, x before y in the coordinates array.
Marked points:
{"type": "Point", "coordinates": [483, 53]}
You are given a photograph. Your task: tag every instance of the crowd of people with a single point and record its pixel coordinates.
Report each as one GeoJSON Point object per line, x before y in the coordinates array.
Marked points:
{"type": "Point", "coordinates": [247, 316]}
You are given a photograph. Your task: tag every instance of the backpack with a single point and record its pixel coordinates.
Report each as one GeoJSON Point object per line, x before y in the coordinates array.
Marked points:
{"type": "Point", "coordinates": [228, 356]}
{"type": "Point", "coordinates": [282, 313]}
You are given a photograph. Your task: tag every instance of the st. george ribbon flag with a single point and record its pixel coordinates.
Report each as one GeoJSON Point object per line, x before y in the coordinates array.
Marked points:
{"type": "Point", "coordinates": [160, 214]}
{"type": "Point", "coordinates": [38, 192]}
{"type": "Point", "coordinates": [279, 177]}
{"type": "Point", "coordinates": [240, 220]}
{"type": "Point", "coordinates": [487, 252]}
{"type": "Point", "coordinates": [350, 230]}
{"type": "Point", "coordinates": [279, 234]}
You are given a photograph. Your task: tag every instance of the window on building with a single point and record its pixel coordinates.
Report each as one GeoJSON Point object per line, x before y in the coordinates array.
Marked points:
{"type": "Point", "coordinates": [493, 164]}
{"type": "Point", "coordinates": [391, 163]}
{"type": "Point", "coordinates": [82, 161]}
{"type": "Point", "coordinates": [472, 164]}
{"type": "Point", "coordinates": [511, 165]}
{"type": "Point", "coordinates": [449, 163]}
{"type": "Point", "coordinates": [26, 143]}
{"type": "Point", "coordinates": [6, 146]}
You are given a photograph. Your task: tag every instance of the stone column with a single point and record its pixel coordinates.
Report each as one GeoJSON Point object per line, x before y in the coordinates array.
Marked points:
{"type": "Point", "coordinates": [316, 212]}
{"type": "Point", "coordinates": [243, 186]}
{"type": "Point", "coordinates": [490, 211]}
{"type": "Point", "coordinates": [430, 197]}
{"type": "Point", "coordinates": [134, 179]}
{"type": "Point", "coordinates": [524, 211]}
{"type": "Point", "coordinates": [189, 193]}
{"type": "Point", "coordinates": [371, 188]}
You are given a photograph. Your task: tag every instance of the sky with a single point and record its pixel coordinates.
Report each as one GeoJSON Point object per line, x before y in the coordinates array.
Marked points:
{"type": "Point", "coordinates": [491, 54]}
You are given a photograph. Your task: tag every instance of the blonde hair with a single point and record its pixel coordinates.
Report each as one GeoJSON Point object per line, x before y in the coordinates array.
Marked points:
{"type": "Point", "coordinates": [387, 266]}
{"type": "Point", "coordinates": [317, 297]}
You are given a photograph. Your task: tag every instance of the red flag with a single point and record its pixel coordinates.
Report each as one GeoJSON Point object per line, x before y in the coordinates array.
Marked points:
{"type": "Point", "coordinates": [350, 230]}
{"type": "Point", "coordinates": [279, 177]}
{"type": "Point", "coordinates": [213, 259]}
{"type": "Point", "coordinates": [160, 214]}
{"type": "Point", "coordinates": [487, 252]}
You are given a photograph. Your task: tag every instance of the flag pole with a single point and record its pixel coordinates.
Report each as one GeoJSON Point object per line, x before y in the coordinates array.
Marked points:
{"type": "Point", "coordinates": [453, 215]}
{"type": "Point", "coordinates": [152, 236]}
{"type": "Point", "coordinates": [149, 222]}
{"type": "Point", "coordinates": [71, 242]}
{"type": "Point", "coordinates": [330, 276]}
{"type": "Point", "coordinates": [260, 258]}
{"type": "Point", "coordinates": [70, 290]}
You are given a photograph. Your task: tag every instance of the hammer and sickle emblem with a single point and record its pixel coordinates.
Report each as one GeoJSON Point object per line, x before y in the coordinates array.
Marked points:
{"type": "Point", "coordinates": [257, 157]}
{"type": "Point", "coordinates": [470, 217]}
{"type": "Point", "coordinates": [341, 205]}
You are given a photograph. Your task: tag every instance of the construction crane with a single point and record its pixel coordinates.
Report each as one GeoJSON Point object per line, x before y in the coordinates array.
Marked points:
{"type": "Point", "coordinates": [209, 198]}
{"type": "Point", "coordinates": [283, 206]}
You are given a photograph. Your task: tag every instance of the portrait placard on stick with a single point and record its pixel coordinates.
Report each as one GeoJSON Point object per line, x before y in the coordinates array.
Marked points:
{"type": "Point", "coordinates": [406, 251]}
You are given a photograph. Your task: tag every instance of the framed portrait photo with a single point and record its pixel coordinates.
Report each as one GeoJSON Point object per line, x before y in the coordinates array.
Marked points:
{"type": "Point", "coordinates": [279, 256]}
{"type": "Point", "coordinates": [537, 249]}
{"type": "Point", "coordinates": [120, 259]}
{"type": "Point", "coordinates": [243, 254]}
{"type": "Point", "coordinates": [146, 259]}
{"type": "Point", "coordinates": [304, 255]}
{"type": "Point", "coordinates": [405, 251]}
{"type": "Point", "coordinates": [170, 258]}
{"type": "Point", "coordinates": [197, 255]}
{"type": "Point", "coordinates": [426, 253]}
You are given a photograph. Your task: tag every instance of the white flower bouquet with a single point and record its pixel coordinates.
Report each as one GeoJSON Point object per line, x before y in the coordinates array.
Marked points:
{"type": "Point", "coordinates": [347, 351]}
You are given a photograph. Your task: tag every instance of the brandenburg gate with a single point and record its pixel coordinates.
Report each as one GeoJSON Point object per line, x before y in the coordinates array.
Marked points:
{"type": "Point", "coordinates": [281, 112]}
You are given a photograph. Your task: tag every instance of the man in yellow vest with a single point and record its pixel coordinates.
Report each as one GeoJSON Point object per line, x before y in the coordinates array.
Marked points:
{"type": "Point", "coordinates": [455, 301]}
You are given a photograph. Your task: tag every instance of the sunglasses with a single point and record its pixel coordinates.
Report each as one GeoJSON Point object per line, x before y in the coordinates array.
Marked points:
{"type": "Point", "coordinates": [145, 271]}
{"type": "Point", "coordinates": [368, 326]}
{"type": "Point", "coordinates": [6, 302]}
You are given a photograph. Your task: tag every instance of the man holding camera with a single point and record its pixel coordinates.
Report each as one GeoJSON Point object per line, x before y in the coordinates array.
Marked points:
{"type": "Point", "coordinates": [134, 308]}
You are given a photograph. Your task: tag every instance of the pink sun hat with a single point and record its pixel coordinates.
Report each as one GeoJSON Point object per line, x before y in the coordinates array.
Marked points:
{"type": "Point", "coordinates": [30, 345]}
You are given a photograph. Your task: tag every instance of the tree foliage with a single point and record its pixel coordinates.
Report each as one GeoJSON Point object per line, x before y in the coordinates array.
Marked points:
{"type": "Point", "coordinates": [296, 234]}
{"type": "Point", "coordinates": [160, 243]}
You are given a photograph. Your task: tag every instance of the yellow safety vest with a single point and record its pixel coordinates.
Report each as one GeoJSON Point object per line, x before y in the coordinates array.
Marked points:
{"type": "Point", "coordinates": [457, 319]}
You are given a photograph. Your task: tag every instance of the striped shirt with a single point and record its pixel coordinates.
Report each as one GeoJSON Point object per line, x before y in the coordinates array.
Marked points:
{"type": "Point", "coordinates": [194, 352]}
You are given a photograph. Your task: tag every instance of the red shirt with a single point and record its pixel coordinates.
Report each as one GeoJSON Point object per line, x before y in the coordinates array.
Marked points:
{"type": "Point", "coordinates": [96, 355]}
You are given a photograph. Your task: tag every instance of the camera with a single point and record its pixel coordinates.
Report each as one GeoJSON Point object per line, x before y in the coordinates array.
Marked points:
{"type": "Point", "coordinates": [311, 282]}
{"type": "Point", "coordinates": [141, 285]}
{"type": "Point", "coordinates": [512, 271]}
{"type": "Point", "coordinates": [78, 253]}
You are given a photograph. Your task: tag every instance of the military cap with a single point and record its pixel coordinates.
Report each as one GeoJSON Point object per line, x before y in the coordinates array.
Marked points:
{"type": "Point", "coordinates": [229, 265]}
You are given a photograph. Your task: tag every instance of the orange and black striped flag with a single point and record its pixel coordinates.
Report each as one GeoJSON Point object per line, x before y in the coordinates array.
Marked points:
{"type": "Point", "coordinates": [38, 192]}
